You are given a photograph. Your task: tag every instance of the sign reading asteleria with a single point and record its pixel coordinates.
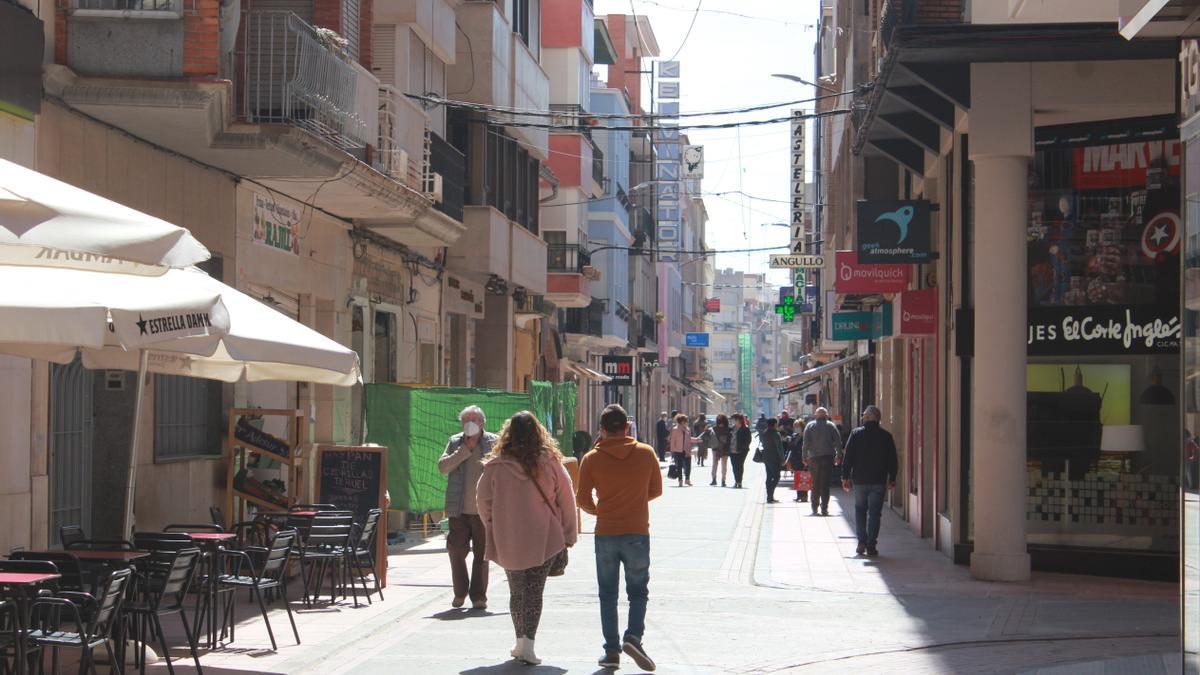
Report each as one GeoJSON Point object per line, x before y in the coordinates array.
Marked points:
{"type": "Point", "coordinates": [895, 232]}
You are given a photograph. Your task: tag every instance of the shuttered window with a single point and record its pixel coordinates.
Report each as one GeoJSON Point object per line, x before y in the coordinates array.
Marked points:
{"type": "Point", "coordinates": [187, 410]}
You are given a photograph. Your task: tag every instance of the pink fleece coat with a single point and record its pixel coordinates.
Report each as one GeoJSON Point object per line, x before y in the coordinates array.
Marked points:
{"type": "Point", "coordinates": [522, 530]}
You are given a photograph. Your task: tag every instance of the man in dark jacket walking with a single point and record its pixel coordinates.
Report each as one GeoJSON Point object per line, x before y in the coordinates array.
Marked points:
{"type": "Point", "coordinates": [662, 431]}
{"type": "Point", "coordinates": [869, 467]}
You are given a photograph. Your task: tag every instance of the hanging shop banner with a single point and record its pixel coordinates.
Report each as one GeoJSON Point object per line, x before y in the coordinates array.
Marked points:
{"type": "Point", "coordinates": [668, 167]}
{"type": "Point", "coordinates": [851, 277]}
{"type": "Point", "coordinates": [894, 232]}
{"type": "Point", "coordinates": [799, 226]}
{"type": "Point", "coordinates": [852, 326]}
{"type": "Point", "coordinates": [693, 162]}
{"type": "Point", "coordinates": [809, 305]}
{"type": "Point", "coordinates": [1100, 330]}
{"type": "Point", "coordinates": [696, 339]}
{"type": "Point", "coordinates": [917, 311]}
{"type": "Point", "coordinates": [619, 368]}
{"type": "Point", "coordinates": [649, 359]}
{"type": "Point", "coordinates": [712, 305]}
{"type": "Point", "coordinates": [275, 225]}
{"type": "Point", "coordinates": [881, 321]}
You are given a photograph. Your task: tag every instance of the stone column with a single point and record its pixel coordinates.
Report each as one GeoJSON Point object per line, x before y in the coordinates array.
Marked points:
{"type": "Point", "coordinates": [1001, 143]}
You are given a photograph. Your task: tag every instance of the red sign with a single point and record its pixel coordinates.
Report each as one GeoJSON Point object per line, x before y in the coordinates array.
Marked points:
{"type": "Point", "coordinates": [712, 305]}
{"type": "Point", "coordinates": [855, 278]}
{"type": "Point", "coordinates": [917, 312]}
{"type": "Point", "coordinates": [1124, 164]}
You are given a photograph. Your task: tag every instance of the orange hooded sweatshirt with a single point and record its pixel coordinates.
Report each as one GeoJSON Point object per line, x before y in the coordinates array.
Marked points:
{"type": "Point", "coordinates": [625, 476]}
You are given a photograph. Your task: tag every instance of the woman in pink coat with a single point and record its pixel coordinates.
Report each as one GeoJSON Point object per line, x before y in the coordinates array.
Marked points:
{"type": "Point", "coordinates": [527, 504]}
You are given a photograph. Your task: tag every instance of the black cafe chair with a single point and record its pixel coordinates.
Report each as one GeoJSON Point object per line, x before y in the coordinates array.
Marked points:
{"type": "Point", "coordinates": [92, 617]}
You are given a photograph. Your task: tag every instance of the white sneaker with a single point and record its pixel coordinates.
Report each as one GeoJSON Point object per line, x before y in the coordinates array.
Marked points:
{"type": "Point", "coordinates": [516, 650]}
{"type": "Point", "coordinates": [525, 652]}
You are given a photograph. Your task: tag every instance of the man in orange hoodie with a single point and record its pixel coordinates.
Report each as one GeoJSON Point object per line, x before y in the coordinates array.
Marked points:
{"type": "Point", "coordinates": [625, 476]}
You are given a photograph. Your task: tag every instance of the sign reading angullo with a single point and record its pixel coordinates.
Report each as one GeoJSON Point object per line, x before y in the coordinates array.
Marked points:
{"type": "Point", "coordinates": [851, 277]}
{"type": "Point", "coordinates": [1104, 330]}
{"type": "Point", "coordinates": [894, 232]}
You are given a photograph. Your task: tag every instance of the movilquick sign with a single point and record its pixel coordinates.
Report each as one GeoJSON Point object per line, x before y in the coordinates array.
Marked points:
{"type": "Point", "coordinates": [1104, 330]}
{"type": "Point", "coordinates": [619, 368]}
{"type": "Point", "coordinates": [893, 232]}
{"type": "Point", "coordinates": [851, 277]}
{"type": "Point", "coordinates": [917, 312]}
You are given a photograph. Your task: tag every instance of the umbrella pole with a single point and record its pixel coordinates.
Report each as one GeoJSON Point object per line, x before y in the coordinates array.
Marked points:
{"type": "Point", "coordinates": [131, 478]}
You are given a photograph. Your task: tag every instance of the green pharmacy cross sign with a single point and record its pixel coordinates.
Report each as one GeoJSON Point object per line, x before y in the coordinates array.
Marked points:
{"type": "Point", "coordinates": [787, 309]}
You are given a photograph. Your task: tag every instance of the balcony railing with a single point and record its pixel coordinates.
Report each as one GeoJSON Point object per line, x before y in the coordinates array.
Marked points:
{"type": "Point", "coordinates": [404, 142]}
{"type": "Point", "coordinates": [598, 168]}
{"type": "Point", "coordinates": [567, 258]}
{"type": "Point", "coordinates": [289, 73]}
{"type": "Point", "coordinates": [446, 161]}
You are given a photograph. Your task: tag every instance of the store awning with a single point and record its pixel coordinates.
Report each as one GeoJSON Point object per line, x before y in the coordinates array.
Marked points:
{"type": "Point", "coordinates": [710, 391]}
{"type": "Point", "coordinates": [587, 373]}
{"type": "Point", "coordinates": [791, 380]}
{"type": "Point", "coordinates": [807, 384]}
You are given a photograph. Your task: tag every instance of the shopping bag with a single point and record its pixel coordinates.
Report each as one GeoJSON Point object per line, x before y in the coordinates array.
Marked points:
{"type": "Point", "coordinates": [802, 481]}
{"type": "Point", "coordinates": [673, 472]}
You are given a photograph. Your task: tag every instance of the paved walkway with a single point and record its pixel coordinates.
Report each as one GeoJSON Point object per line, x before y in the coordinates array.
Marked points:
{"type": "Point", "coordinates": [742, 587]}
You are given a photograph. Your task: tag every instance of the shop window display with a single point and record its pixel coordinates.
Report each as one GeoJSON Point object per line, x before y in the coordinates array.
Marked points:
{"type": "Point", "coordinates": [1104, 240]}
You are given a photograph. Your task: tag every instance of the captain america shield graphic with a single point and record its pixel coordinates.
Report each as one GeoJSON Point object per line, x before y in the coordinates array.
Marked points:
{"type": "Point", "coordinates": [1161, 234]}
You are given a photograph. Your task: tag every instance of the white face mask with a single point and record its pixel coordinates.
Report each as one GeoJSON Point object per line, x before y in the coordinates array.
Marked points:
{"type": "Point", "coordinates": [471, 429]}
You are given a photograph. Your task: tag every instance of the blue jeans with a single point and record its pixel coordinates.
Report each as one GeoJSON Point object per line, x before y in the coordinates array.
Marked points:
{"type": "Point", "coordinates": [632, 551]}
{"type": "Point", "coordinates": [868, 504]}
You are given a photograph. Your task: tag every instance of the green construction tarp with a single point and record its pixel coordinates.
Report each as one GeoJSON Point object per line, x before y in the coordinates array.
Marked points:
{"type": "Point", "coordinates": [415, 424]}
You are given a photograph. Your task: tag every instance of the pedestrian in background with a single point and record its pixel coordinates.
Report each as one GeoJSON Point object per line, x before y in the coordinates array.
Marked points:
{"type": "Point", "coordinates": [722, 448]}
{"type": "Point", "coordinates": [617, 481]}
{"type": "Point", "coordinates": [707, 441]}
{"type": "Point", "coordinates": [680, 444]}
{"type": "Point", "coordinates": [761, 425]}
{"type": "Point", "coordinates": [795, 461]}
{"type": "Point", "coordinates": [462, 464]}
{"type": "Point", "coordinates": [741, 448]}
{"type": "Point", "coordinates": [527, 504]}
{"type": "Point", "coordinates": [772, 456]}
{"type": "Point", "coordinates": [787, 425]}
{"type": "Point", "coordinates": [822, 449]}
{"type": "Point", "coordinates": [662, 431]}
{"type": "Point", "coordinates": [870, 467]}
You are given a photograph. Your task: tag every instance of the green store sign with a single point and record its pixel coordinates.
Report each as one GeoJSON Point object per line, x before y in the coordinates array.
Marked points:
{"type": "Point", "coordinates": [863, 325]}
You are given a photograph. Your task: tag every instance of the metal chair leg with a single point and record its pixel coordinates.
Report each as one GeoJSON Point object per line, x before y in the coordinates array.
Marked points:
{"type": "Point", "coordinates": [263, 608]}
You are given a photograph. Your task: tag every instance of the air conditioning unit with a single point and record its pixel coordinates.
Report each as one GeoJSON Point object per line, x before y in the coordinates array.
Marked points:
{"type": "Point", "coordinates": [435, 187]}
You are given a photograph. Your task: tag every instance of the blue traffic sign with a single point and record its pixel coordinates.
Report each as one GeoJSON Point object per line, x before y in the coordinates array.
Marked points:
{"type": "Point", "coordinates": [697, 339]}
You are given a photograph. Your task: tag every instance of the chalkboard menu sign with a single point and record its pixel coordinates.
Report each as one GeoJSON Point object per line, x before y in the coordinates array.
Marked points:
{"type": "Point", "coordinates": [353, 478]}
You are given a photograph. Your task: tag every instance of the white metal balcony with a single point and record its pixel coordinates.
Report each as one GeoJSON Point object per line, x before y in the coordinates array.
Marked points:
{"type": "Point", "coordinates": [403, 147]}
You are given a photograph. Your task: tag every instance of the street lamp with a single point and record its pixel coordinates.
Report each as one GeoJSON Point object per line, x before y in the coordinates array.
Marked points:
{"type": "Point", "coordinates": [801, 80]}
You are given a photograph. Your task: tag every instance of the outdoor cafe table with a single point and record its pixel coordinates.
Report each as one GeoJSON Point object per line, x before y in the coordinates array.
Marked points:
{"type": "Point", "coordinates": [19, 586]}
{"type": "Point", "coordinates": [210, 542]}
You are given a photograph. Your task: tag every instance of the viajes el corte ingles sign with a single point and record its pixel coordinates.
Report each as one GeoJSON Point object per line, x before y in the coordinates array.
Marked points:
{"type": "Point", "coordinates": [893, 232]}
{"type": "Point", "coordinates": [1101, 330]}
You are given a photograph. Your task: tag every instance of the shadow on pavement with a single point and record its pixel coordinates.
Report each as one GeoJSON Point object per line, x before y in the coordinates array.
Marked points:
{"type": "Point", "coordinates": [460, 614]}
{"type": "Point", "coordinates": [514, 666]}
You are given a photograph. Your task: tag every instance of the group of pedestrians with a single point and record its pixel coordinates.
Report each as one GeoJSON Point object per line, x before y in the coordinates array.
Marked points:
{"type": "Point", "coordinates": [728, 438]}
{"type": "Point", "coordinates": [510, 500]}
{"type": "Point", "coordinates": [869, 465]}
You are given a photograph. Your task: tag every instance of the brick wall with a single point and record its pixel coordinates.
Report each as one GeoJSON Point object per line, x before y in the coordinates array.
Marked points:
{"type": "Point", "coordinates": [939, 11]}
{"type": "Point", "coordinates": [202, 39]}
{"type": "Point", "coordinates": [328, 14]}
{"type": "Point", "coordinates": [60, 34]}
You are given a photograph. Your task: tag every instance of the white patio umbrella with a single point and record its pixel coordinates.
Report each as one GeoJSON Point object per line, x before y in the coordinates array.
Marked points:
{"type": "Point", "coordinates": [181, 322]}
{"type": "Point", "coordinates": [47, 221]}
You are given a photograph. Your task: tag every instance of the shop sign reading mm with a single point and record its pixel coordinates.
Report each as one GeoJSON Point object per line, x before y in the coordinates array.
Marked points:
{"type": "Point", "coordinates": [796, 261]}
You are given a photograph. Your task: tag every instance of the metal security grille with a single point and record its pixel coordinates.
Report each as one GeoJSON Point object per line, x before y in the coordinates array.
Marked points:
{"type": "Point", "coordinates": [70, 447]}
{"type": "Point", "coordinates": [184, 421]}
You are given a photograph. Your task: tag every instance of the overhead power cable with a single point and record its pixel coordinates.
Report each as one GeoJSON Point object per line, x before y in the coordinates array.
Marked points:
{"type": "Point", "coordinates": [695, 15]}
{"type": "Point", "coordinates": [668, 127]}
{"type": "Point", "coordinates": [525, 112]}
